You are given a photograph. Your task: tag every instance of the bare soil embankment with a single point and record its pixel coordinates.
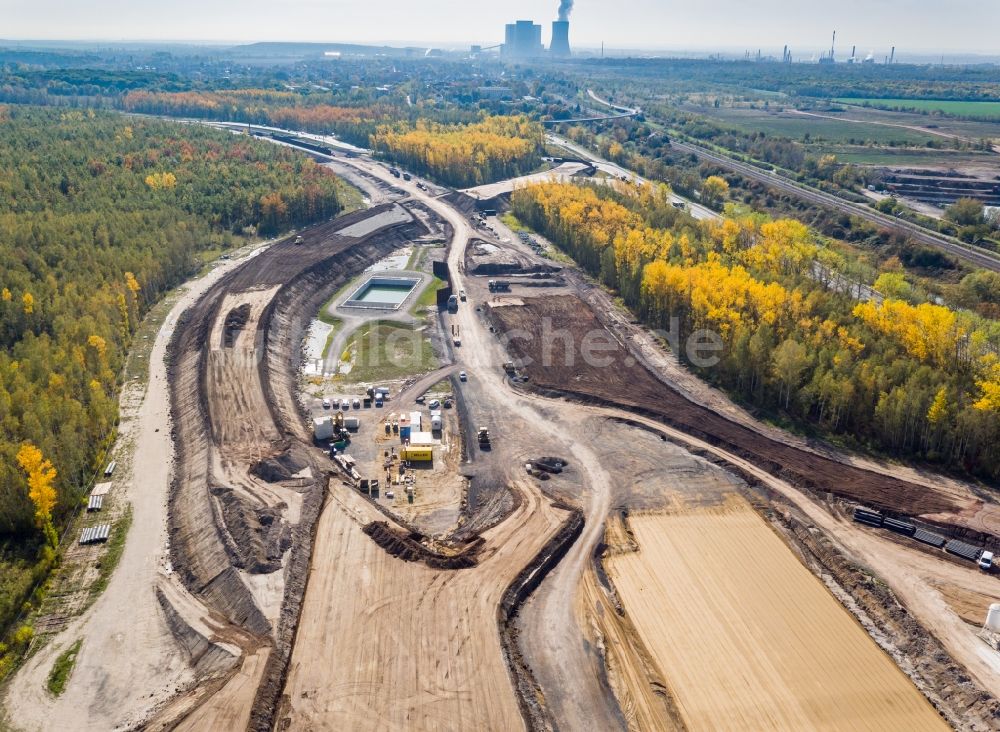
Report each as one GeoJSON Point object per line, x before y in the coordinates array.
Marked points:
{"type": "Point", "coordinates": [624, 382]}
{"type": "Point", "coordinates": [233, 365]}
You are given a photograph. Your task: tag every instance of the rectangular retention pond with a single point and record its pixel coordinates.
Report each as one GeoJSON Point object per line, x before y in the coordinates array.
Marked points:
{"type": "Point", "coordinates": [382, 293]}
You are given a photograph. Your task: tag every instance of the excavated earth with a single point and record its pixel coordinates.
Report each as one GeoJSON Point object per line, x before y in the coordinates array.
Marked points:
{"type": "Point", "coordinates": [247, 491]}
{"type": "Point", "coordinates": [626, 382]}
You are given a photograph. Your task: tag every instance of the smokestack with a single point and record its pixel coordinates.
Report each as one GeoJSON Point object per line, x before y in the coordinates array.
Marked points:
{"type": "Point", "coordinates": [560, 38]}
{"type": "Point", "coordinates": [565, 8]}
{"type": "Point", "coordinates": [833, 44]}
{"type": "Point", "coordinates": [892, 56]}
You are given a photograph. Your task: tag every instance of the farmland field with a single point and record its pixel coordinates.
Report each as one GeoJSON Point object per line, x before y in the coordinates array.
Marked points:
{"type": "Point", "coordinates": [746, 637]}
{"type": "Point", "coordinates": [796, 127]}
{"type": "Point", "coordinates": [981, 110]}
{"type": "Point", "coordinates": [904, 157]}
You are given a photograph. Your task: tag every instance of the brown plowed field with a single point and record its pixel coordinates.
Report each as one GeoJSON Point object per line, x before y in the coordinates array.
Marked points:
{"type": "Point", "coordinates": [747, 638]}
{"type": "Point", "coordinates": [628, 383]}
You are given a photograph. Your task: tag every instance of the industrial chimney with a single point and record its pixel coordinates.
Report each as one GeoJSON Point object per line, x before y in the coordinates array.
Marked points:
{"type": "Point", "coordinates": [560, 38]}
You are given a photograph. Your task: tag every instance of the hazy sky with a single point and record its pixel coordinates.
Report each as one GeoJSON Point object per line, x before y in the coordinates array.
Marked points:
{"type": "Point", "coordinates": [915, 25]}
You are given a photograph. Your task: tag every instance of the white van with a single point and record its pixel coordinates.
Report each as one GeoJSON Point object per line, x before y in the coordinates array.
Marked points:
{"type": "Point", "coordinates": [986, 561]}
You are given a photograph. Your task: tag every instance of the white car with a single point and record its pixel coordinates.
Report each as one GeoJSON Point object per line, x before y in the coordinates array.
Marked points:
{"type": "Point", "coordinates": [357, 404]}
{"type": "Point", "coordinates": [345, 405]}
{"type": "Point", "coordinates": [462, 376]}
{"type": "Point", "coordinates": [326, 404]}
{"type": "Point", "coordinates": [434, 404]}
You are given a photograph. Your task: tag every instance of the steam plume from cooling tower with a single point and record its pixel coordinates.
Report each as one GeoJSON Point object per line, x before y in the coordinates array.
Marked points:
{"type": "Point", "coordinates": [565, 8]}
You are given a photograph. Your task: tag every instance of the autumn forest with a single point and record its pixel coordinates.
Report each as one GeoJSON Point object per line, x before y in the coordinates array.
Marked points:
{"type": "Point", "coordinates": [888, 372]}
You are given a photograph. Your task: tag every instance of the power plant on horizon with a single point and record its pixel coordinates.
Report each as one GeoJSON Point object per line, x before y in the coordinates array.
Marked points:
{"type": "Point", "coordinates": [523, 38]}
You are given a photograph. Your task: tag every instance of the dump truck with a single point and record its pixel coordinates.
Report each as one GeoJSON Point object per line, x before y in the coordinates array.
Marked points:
{"type": "Point", "coordinates": [484, 437]}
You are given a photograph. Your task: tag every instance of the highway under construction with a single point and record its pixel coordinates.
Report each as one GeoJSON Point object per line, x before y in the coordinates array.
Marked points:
{"type": "Point", "coordinates": [525, 581]}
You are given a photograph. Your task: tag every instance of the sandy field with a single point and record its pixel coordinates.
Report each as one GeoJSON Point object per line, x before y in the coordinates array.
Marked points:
{"type": "Point", "coordinates": [386, 644]}
{"type": "Point", "coordinates": [747, 638]}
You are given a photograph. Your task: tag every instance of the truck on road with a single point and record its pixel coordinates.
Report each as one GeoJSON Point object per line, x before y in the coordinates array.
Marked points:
{"type": "Point", "coordinates": [453, 304]}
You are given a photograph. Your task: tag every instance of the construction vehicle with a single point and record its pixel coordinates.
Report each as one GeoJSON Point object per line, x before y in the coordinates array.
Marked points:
{"type": "Point", "coordinates": [986, 561]}
{"type": "Point", "coordinates": [484, 438]}
{"type": "Point", "coordinates": [298, 241]}
{"type": "Point", "coordinates": [422, 454]}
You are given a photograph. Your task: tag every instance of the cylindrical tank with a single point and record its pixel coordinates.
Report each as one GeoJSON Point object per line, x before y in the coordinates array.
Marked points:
{"type": "Point", "coordinates": [993, 618]}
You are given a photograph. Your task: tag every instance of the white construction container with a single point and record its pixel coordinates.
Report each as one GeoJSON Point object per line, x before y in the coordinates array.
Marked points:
{"type": "Point", "coordinates": [352, 423]}
{"type": "Point", "coordinates": [435, 423]}
{"type": "Point", "coordinates": [993, 618]}
{"type": "Point", "coordinates": [323, 428]}
{"type": "Point", "coordinates": [421, 438]}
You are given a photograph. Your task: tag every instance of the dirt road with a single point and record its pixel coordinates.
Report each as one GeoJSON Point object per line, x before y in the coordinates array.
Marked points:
{"type": "Point", "coordinates": [127, 643]}
{"type": "Point", "coordinates": [408, 647]}
{"type": "Point", "coordinates": [559, 648]}
{"type": "Point", "coordinates": [911, 574]}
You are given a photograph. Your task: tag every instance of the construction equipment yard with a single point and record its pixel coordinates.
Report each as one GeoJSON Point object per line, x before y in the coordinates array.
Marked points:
{"type": "Point", "coordinates": [627, 549]}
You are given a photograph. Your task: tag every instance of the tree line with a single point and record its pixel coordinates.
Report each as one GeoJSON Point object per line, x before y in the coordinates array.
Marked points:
{"type": "Point", "coordinates": [464, 155]}
{"type": "Point", "coordinates": [904, 377]}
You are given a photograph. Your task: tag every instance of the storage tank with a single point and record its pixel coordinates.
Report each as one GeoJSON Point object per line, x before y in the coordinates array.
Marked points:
{"type": "Point", "coordinates": [993, 618]}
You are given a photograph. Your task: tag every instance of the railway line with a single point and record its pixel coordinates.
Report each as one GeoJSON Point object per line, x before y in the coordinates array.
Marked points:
{"type": "Point", "coordinates": [970, 255]}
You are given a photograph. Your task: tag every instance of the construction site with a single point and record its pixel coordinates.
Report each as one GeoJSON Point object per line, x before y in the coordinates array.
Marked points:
{"type": "Point", "coordinates": [485, 529]}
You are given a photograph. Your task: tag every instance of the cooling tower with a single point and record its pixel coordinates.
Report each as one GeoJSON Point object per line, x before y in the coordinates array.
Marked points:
{"type": "Point", "coordinates": [560, 38]}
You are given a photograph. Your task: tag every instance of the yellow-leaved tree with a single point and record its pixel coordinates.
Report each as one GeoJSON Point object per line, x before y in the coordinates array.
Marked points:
{"type": "Point", "coordinates": [41, 476]}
